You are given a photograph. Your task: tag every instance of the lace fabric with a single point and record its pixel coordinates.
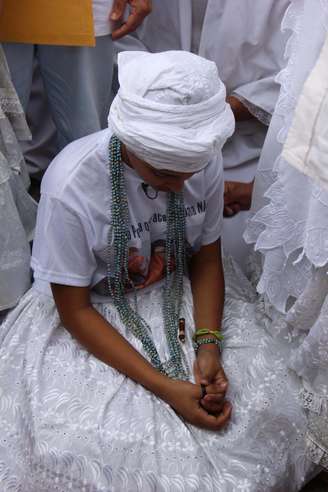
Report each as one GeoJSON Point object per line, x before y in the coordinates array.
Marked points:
{"type": "Point", "coordinates": [284, 221]}
{"type": "Point", "coordinates": [10, 106]}
{"type": "Point", "coordinates": [289, 224]}
{"type": "Point", "coordinates": [70, 420]}
{"type": "Point", "coordinates": [17, 208]}
{"type": "Point", "coordinates": [258, 113]}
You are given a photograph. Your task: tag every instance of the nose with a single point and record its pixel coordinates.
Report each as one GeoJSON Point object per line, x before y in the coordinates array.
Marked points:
{"type": "Point", "coordinates": [176, 184]}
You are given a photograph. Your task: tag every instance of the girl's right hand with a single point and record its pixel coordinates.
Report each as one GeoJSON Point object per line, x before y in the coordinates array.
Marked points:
{"type": "Point", "coordinates": [185, 397]}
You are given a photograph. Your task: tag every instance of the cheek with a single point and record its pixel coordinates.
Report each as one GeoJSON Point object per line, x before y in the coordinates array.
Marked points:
{"type": "Point", "coordinates": [152, 179]}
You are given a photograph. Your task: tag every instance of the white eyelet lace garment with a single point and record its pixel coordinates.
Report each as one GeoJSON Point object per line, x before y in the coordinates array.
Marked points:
{"type": "Point", "coordinates": [17, 209]}
{"type": "Point", "coordinates": [289, 226]}
{"type": "Point", "coordinates": [71, 423]}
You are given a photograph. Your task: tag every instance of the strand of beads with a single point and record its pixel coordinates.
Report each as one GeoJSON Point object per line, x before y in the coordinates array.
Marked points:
{"type": "Point", "coordinates": [173, 292]}
{"type": "Point", "coordinates": [118, 279]}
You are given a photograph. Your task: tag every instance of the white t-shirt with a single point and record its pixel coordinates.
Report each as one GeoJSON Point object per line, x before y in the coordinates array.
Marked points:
{"type": "Point", "coordinates": [101, 12]}
{"type": "Point", "coordinates": [73, 224]}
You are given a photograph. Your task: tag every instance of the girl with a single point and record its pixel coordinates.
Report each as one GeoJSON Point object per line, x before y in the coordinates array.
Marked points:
{"type": "Point", "coordinates": [101, 389]}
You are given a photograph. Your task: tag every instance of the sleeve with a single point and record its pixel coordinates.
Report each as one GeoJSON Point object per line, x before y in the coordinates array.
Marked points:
{"type": "Point", "coordinates": [265, 59]}
{"type": "Point", "coordinates": [130, 42]}
{"type": "Point", "coordinates": [259, 97]}
{"type": "Point", "coordinates": [62, 250]}
{"type": "Point", "coordinates": [213, 224]}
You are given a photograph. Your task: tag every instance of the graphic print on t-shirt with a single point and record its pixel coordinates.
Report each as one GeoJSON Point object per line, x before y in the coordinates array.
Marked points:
{"type": "Point", "coordinates": [147, 238]}
{"type": "Point", "coordinates": [143, 270]}
{"type": "Point", "coordinates": [146, 267]}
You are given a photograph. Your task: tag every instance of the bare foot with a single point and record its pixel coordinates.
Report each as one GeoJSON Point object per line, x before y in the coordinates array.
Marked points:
{"type": "Point", "coordinates": [237, 197]}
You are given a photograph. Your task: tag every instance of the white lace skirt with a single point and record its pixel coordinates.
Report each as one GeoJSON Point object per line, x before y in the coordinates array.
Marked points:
{"type": "Point", "coordinates": [70, 422]}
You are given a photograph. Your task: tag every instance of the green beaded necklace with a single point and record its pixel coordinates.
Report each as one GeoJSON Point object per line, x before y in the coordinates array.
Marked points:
{"type": "Point", "coordinates": [118, 279]}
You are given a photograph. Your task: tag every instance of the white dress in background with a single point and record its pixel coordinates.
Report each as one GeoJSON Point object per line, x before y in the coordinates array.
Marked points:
{"type": "Point", "coordinates": [289, 226]}
{"type": "Point", "coordinates": [245, 41]}
{"type": "Point", "coordinates": [72, 423]}
{"type": "Point", "coordinates": [17, 208]}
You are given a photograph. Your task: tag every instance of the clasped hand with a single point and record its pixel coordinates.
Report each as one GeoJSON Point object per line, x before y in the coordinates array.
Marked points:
{"type": "Point", "coordinates": [209, 372]}
{"type": "Point", "coordinates": [213, 411]}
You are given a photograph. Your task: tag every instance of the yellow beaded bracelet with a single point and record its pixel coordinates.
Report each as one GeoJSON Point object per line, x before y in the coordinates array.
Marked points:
{"type": "Point", "coordinates": [204, 331]}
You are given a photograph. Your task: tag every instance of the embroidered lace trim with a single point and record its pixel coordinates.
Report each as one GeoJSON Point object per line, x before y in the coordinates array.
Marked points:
{"type": "Point", "coordinates": [259, 113]}
{"type": "Point", "coordinates": [313, 402]}
{"type": "Point", "coordinates": [316, 452]}
{"type": "Point", "coordinates": [289, 247]}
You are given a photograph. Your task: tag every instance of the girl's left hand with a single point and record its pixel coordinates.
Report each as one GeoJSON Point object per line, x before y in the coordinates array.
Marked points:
{"type": "Point", "coordinates": [209, 371]}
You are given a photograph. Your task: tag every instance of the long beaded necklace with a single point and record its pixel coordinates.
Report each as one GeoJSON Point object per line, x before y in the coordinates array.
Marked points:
{"type": "Point", "coordinates": [118, 275]}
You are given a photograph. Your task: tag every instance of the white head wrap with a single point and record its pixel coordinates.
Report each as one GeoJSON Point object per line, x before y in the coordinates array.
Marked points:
{"type": "Point", "coordinates": [170, 110]}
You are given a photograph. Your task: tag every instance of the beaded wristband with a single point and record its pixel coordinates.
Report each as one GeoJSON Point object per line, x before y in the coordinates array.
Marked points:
{"type": "Point", "coordinates": [204, 341]}
{"type": "Point", "coordinates": [205, 331]}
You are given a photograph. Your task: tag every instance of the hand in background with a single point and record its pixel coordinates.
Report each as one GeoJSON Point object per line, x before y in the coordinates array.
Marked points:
{"type": "Point", "coordinates": [139, 9]}
{"type": "Point", "coordinates": [237, 197]}
{"type": "Point", "coordinates": [240, 111]}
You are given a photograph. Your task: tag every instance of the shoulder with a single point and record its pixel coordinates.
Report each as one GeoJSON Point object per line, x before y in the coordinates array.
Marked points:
{"type": "Point", "coordinates": [214, 169]}
{"type": "Point", "coordinates": [79, 165]}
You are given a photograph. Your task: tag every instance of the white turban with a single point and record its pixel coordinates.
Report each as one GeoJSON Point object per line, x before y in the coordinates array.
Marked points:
{"type": "Point", "coordinates": [171, 110]}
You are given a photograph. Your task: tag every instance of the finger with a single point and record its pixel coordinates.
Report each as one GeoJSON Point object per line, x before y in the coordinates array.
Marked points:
{"type": "Point", "coordinates": [212, 422]}
{"type": "Point", "coordinates": [214, 406]}
{"type": "Point", "coordinates": [236, 207]}
{"type": "Point", "coordinates": [133, 21]}
{"type": "Point", "coordinates": [215, 398]}
{"type": "Point", "coordinates": [139, 11]}
{"type": "Point", "coordinates": [231, 209]}
{"type": "Point", "coordinates": [211, 408]}
{"type": "Point", "coordinates": [118, 10]}
{"type": "Point", "coordinates": [223, 419]}
{"type": "Point", "coordinates": [228, 211]}
{"type": "Point", "coordinates": [221, 377]}
{"type": "Point", "coordinates": [219, 387]}
{"type": "Point", "coordinates": [212, 375]}
{"type": "Point", "coordinates": [204, 378]}
{"type": "Point", "coordinates": [229, 186]}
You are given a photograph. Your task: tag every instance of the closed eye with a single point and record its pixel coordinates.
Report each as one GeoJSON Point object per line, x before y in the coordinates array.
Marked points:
{"type": "Point", "coordinates": [164, 175]}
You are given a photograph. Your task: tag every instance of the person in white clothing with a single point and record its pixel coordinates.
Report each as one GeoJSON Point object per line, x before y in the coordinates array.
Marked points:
{"type": "Point", "coordinates": [289, 223]}
{"type": "Point", "coordinates": [77, 80]}
{"type": "Point", "coordinates": [17, 208]}
{"type": "Point", "coordinates": [101, 386]}
{"type": "Point", "coordinates": [245, 41]}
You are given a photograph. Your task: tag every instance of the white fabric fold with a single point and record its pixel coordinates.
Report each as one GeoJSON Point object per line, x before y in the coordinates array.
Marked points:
{"type": "Point", "coordinates": [306, 146]}
{"type": "Point", "coordinates": [171, 109]}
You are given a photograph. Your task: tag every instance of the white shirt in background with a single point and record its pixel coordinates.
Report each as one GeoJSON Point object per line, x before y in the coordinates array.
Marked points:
{"type": "Point", "coordinates": [101, 12]}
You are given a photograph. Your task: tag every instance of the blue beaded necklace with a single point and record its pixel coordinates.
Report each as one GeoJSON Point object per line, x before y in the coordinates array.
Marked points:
{"type": "Point", "coordinates": [118, 278]}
